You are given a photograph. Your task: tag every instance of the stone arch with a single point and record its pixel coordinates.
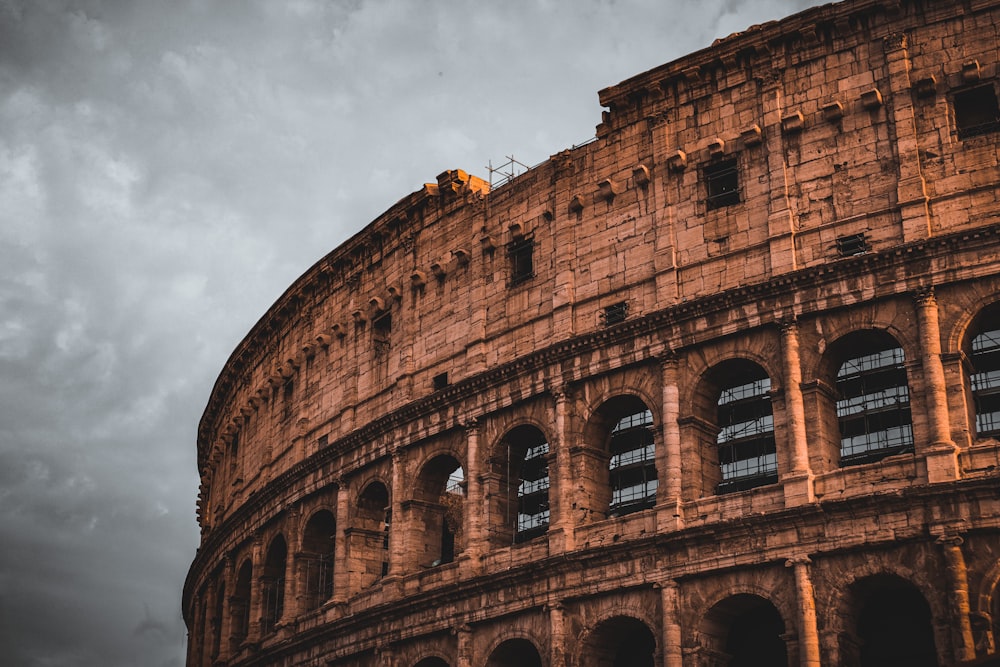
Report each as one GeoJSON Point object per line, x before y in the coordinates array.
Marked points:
{"type": "Point", "coordinates": [515, 652]}
{"type": "Point", "coordinates": [730, 431]}
{"type": "Point", "coordinates": [432, 661]}
{"type": "Point", "coordinates": [316, 557]}
{"type": "Point", "coordinates": [272, 583]}
{"type": "Point", "coordinates": [980, 345]}
{"type": "Point", "coordinates": [434, 515]}
{"type": "Point", "coordinates": [743, 630]}
{"type": "Point", "coordinates": [368, 535]}
{"type": "Point", "coordinates": [619, 462]}
{"type": "Point", "coordinates": [886, 620]}
{"type": "Point", "coordinates": [618, 640]}
{"type": "Point", "coordinates": [239, 603]}
{"type": "Point", "coordinates": [865, 412]}
{"type": "Point", "coordinates": [986, 612]}
{"type": "Point", "coordinates": [517, 484]}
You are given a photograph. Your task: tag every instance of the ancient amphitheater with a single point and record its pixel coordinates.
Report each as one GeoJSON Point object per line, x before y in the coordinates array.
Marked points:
{"type": "Point", "coordinates": [720, 387]}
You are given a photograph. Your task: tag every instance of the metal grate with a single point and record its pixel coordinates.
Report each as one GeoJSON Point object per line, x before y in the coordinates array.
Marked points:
{"type": "Point", "coordinates": [747, 450]}
{"type": "Point", "coordinates": [874, 407]}
{"type": "Point", "coordinates": [723, 184]}
{"type": "Point", "coordinates": [615, 313]}
{"type": "Point", "coordinates": [852, 244]}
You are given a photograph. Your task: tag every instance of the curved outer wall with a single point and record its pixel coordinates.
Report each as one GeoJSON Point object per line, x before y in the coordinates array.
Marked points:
{"type": "Point", "coordinates": [766, 210]}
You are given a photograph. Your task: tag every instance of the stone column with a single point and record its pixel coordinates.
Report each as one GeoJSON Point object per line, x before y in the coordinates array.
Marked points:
{"type": "Point", "coordinates": [290, 610]}
{"type": "Point", "coordinates": [942, 457]}
{"type": "Point", "coordinates": [397, 550]}
{"type": "Point", "coordinates": [808, 632]}
{"type": "Point", "coordinates": [464, 636]}
{"type": "Point", "coordinates": [474, 502]}
{"type": "Point", "coordinates": [256, 612]}
{"type": "Point", "coordinates": [226, 622]}
{"type": "Point", "coordinates": [668, 456]}
{"type": "Point", "coordinates": [341, 571]}
{"type": "Point", "coordinates": [673, 655]}
{"type": "Point", "coordinates": [958, 592]}
{"type": "Point", "coordinates": [557, 632]}
{"type": "Point", "coordinates": [561, 493]}
{"type": "Point", "coordinates": [797, 482]}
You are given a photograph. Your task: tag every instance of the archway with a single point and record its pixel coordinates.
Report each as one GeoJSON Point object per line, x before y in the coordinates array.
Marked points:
{"type": "Point", "coordinates": [515, 653]}
{"type": "Point", "coordinates": [892, 625]}
{"type": "Point", "coordinates": [744, 630]}
{"type": "Point", "coordinates": [620, 641]}
{"type": "Point", "coordinates": [316, 559]}
{"type": "Point", "coordinates": [272, 583]}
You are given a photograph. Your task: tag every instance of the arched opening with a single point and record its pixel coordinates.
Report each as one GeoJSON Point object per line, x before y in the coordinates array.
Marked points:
{"type": "Point", "coordinates": [623, 429]}
{"type": "Point", "coordinates": [518, 486]}
{"type": "Point", "coordinates": [892, 625]}
{"type": "Point", "coordinates": [432, 662]}
{"type": "Point", "coordinates": [239, 604]}
{"type": "Point", "coordinates": [745, 442]}
{"type": "Point", "coordinates": [621, 641]}
{"type": "Point", "coordinates": [316, 559]}
{"type": "Point", "coordinates": [744, 630]}
{"type": "Point", "coordinates": [984, 355]}
{"type": "Point", "coordinates": [873, 397]}
{"type": "Point", "coordinates": [436, 511]}
{"type": "Point", "coordinates": [368, 538]}
{"type": "Point", "coordinates": [272, 584]}
{"type": "Point", "coordinates": [515, 653]}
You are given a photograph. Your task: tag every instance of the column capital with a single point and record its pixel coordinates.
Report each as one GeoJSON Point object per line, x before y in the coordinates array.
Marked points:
{"type": "Point", "coordinates": [925, 295]}
{"type": "Point", "coordinates": [470, 424]}
{"type": "Point", "coordinates": [801, 559]}
{"type": "Point", "coordinates": [953, 539]}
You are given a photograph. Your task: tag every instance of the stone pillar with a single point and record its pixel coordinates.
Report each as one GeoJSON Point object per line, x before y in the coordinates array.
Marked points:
{"type": "Point", "coordinates": [561, 529]}
{"type": "Point", "coordinates": [958, 592]}
{"type": "Point", "coordinates": [226, 622]}
{"type": "Point", "coordinates": [668, 454]}
{"type": "Point", "coordinates": [464, 635]}
{"type": "Point", "coordinates": [397, 551]}
{"type": "Point", "coordinates": [797, 482]}
{"type": "Point", "coordinates": [292, 606]}
{"type": "Point", "coordinates": [942, 457]}
{"type": "Point", "coordinates": [341, 571]}
{"type": "Point", "coordinates": [808, 631]}
{"type": "Point", "coordinates": [911, 188]}
{"type": "Point", "coordinates": [474, 501]}
{"type": "Point", "coordinates": [782, 219]}
{"type": "Point", "coordinates": [256, 611]}
{"type": "Point", "coordinates": [672, 653]}
{"type": "Point", "coordinates": [557, 632]}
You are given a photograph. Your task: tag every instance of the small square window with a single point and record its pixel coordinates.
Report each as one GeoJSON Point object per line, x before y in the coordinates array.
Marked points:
{"type": "Point", "coordinates": [976, 111]}
{"type": "Point", "coordinates": [615, 313]}
{"type": "Point", "coordinates": [723, 184]}
{"type": "Point", "coordinates": [522, 266]}
{"type": "Point", "coordinates": [440, 381]}
{"type": "Point", "coordinates": [852, 244]}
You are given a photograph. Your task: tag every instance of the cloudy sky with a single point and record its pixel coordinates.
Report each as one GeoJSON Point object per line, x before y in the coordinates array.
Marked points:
{"type": "Point", "coordinates": [167, 169]}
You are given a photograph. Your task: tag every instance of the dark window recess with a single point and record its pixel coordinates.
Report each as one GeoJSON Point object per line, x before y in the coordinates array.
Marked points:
{"type": "Point", "coordinates": [522, 266]}
{"type": "Point", "coordinates": [874, 407]}
{"type": "Point", "coordinates": [976, 111]}
{"type": "Point", "coordinates": [381, 329]}
{"type": "Point", "coordinates": [723, 184]}
{"type": "Point", "coordinates": [615, 313]}
{"type": "Point", "coordinates": [440, 381]}
{"type": "Point", "coordinates": [322, 442]}
{"type": "Point", "coordinates": [286, 396]}
{"type": "Point", "coordinates": [986, 381]}
{"type": "Point", "coordinates": [747, 450]}
{"type": "Point", "coordinates": [632, 466]}
{"type": "Point", "coordinates": [852, 244]}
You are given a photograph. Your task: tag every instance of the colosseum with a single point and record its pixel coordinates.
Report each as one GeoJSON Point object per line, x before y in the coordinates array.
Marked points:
{"type": "Point", "coordinates": [719, 387]}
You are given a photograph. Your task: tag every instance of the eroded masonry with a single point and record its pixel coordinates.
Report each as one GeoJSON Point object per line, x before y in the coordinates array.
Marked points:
{"type": "Point", "coordinates": [720, 387]}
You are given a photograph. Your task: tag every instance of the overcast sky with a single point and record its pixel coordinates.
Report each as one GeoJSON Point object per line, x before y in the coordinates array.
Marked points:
{"type": "Point", "coordinates": [167, 169]}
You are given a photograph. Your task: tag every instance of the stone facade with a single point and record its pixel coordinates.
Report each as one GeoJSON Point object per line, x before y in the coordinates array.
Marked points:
{"type": "Point", "coordinates": [715, 388]}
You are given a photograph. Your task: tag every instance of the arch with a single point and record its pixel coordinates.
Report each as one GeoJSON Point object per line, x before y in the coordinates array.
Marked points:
{"type": "Point", "coordinates": [743, 630]}
{"type": "Point", "coordinates": [888, 622]}
{"type": "Point", "coordinates": [622, 473]}
{"type": "Point", "coordinates": [731, 429]}
{"type": "Point", "coordinates": [316, 558]}
{"type": "Point", "coordinates": [517, 652]}
{"type": "Point", "coordinates": [272, 583]}
{"type": "Point", "coordinates": [986, 612]}
{"type": "Point", "coordinates": [239, 604]}
{"type": "Point", "coordinates": [368, 536]}
{"type": "Point", "coordinates": [435, 514]}
{"type": "Point", "coordinates": [981, 345]}
{"type": "Point", "coordinates": [432, 661]}
{"type": "Point", "coordinates": [872, 396]}
{"type": "Point", "coordinates": [618, 641]}
{"type": "Point", "coordinates": [517, 484]}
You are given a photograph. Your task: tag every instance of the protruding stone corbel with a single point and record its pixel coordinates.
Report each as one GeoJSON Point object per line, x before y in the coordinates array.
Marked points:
{"type": "Point", "coordinates": [926, 87]}
{"type": "Point", "coordinates": [752, 136]}
{"type": "Point", "coordinates": [516, 230]}
{"type": "Point", "coordinates": [793, 123]}
{"type": "Point", "coordinates": [418, 279]}
{"type": "Point", "coordinates": [871, 99]}
{"type": "Point", "coordinates": [438, 270]}
{"type": "Point", "coordinates": [677, 161]}
{"type": "Point", "coordinates": [323, 340]}
{"type": "Point", "coordinates": [833, 111]}
{"type": "Point", "coordinates": [692, 74]}
{"type": "Point", "coordinates": [576, 204]}
{"type": "Point", "coordinates": [358, 316]}
{"type": "Point", "coordinates": [640, 175]}
{"type": "Point", "coordinates": [461, 256]}
{"type": "Point", "coordinates": [339, 330]}
{"type": "Point", "coordinates": [607, 189]}
{"type": "Point", "coordinates": [394, 293]}
{"type": "Point", "coordinates": [487, 243]}
{"type": "Point", "coordinates": [716, 147]}
{"type": "Point", "coordinates": [377, 304]}
{"type": "Point", "coordinates": [971, 72]}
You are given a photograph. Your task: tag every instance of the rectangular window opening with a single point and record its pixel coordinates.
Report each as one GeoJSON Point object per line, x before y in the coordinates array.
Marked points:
{"type": "Point", "coordinates": [440, 381]}
{"type": "Point", "coordinates": [723, 184]}
{"type": "Point", "coordinates": [852, 244]}
{"type": "Point", "coordinates": [615, 313]}
{"type": "Point", "coordinates": [520, 252]}
{"type": "Point", "coordinates": [976, 111]}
